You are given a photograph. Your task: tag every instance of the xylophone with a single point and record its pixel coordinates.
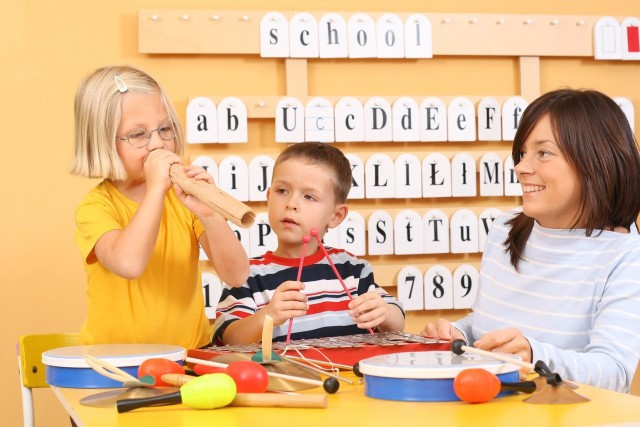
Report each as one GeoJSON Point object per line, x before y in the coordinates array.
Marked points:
{"type": "Point", "coordinates": [344, 350]}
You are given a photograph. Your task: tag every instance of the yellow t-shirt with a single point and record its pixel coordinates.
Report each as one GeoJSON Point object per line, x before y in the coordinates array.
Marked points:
{"type": "Point", "coordinates": [165, 304]}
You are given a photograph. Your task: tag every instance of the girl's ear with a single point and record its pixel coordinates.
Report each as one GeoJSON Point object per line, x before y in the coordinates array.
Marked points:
{"type": "Point", "coordinates": [339, 214]}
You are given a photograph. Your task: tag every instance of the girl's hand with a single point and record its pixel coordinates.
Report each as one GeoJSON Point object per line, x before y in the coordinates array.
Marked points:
{"type": "Point", "coordinates": [200, 209]}
{"type": "Point", "coordinates": [156, 169]}
{"type": "Point", "coordinates": [287, 301]}
{"type": "Point", "coordinates": [509, 341]}
{"type": "Point", "coordinates": [368, 310]}
{"type": "Point", "coordinates": [441, 329]}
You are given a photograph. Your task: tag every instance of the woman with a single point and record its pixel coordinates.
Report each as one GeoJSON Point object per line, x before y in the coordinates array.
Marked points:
{"type": "Point", "coordinates": [560, 280]}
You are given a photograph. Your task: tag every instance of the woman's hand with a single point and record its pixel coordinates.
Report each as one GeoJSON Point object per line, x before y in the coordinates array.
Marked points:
{"type": "Point", "coordinates": [441, 329]}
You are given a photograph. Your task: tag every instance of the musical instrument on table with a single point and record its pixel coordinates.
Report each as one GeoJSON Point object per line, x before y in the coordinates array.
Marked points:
{"type": "Point", "coordinates": [68, 367]}
{"type": "Point", "coordinates": [426, 376]}
{"type": "Point", "coordinates": [221, 202]}
{"type": "Point", "coordinates": [344, 350]}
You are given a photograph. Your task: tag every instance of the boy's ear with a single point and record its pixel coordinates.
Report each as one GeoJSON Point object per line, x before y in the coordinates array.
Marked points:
{"type": "Point", "coordinates": [268, 194]}
{"type": "Point", "coordinates": [339, 214]}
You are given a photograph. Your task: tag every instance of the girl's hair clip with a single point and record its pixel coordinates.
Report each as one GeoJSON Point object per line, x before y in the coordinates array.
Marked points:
{"type": "Point", "coordinates": [122, 87]}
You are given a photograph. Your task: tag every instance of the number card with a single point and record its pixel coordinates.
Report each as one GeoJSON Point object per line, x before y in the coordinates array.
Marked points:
{"type": "Point", "coordinates": [463, 175]}
{"type": "Point", "coordinates": [232, 121]}
{"type": "Point", "coordinates": [318, 121]}
{"type": "Point", "coordinates": [289, 120]}
{"type": "Point", "coordinates": [362, 36]}
{"type": "Point", "coordinates": [377, 120]}
{"type": "Point", "coordinates": [332, 30]}
{"type": "Point", "coordinates": [465, 286]}
{"type": "Point", "coordinates": [303, 36]}
{"type": "Point", "coordinates": [489, 120]}
{"type": "Point", "coordinates": [512, 110]}
{"type": "Point", "coordinates": [461, 120]}
{"type": "Point", "coordinates": [464, 232]}
{"type": "Point", "coordinates": [274, 36]}
{"type": "Point", "coordinates": [208, 164]}
{"type": "Point", "coordinates": [390, 36]}
{"type": "Point", "coordinates": [436, 232]}
{"type": "Point", "coordinates": [438, 288]}
{"type": "Point", "coordinates": [485, 221]}
{"type": "Point", "coordinates": [433, 120]}
{"type": "Point", "coordinates": [349, 120]}
{"type": "Point", "coordinates": [411, 288]}
{"type": "Point", "coordinates": [512, 186]}
{"type": "Point", "coordinates": [211, 291]}
{"type": "Point", "coordinates": [406, 120]}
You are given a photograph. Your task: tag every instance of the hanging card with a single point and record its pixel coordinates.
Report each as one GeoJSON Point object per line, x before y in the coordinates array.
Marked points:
{"type": "Point", "coordinates": [208, 164]}
{"type": "Point", "coordinates": [390, 36]}
{"type": "Point", "coordinates": [349, 120]}
{"type": "Point", "coordinates": [233, 176]}
{"type": "Point", "coordinates": [491, 175]}
{"type": "Point", "coordinates": [627, 109]}
{"type": "Point", "coordinates": [318, 121]}
{"type": "Point", "coordinates": [464, 232]}
{"type": "Point", "coordinates": [436, 176]}
{"type": "Point", "coordinates": [289, 121]}
{"type": "Point", "coordinates": [408, 233]}
{"type": "Point", "coordinates": [461, 120]}
{"type": "Point", "coordinates": [438, 288]}
{"type": "Point", "coordinates": [512, 186]}
{"type": "Point", "coordinates": [261, 236]}
{"type": "Point", "coordinates": [202, 121]}
{"type": "Point", "coordinates": [436, 232]}
{"type": "Point", "coordinates": [489, 120]}
{"type": "Point", "coordinates": [380, 233]}
{"type": "Point", "coordinates": [242, 234]}
{"type": "Point", "coordinates": [260, 174]}
{"type": "Point", "coordinates": [433, 120]}
{"type": "Point", "coordinates": [512, 110]}
{"type": "Point", "coordinates": [357, 177]}
{"type": "Point", "coordinates": [408, 176]}
{"type": "Point", "coordinates": [463, 175]}
{"type": "Point", "coordinates": [303, 36]}
{"type": "Point", "coordinates": [362, 36]}
{"type": "Point", "coordinates": [418, 37]}
{"type": "Point", "coordinates": [332, 32]}
{"type": "Point", "coordinates": [211, 291]}
{"type": "Point", "coordinates": [332, 238]}
{"type": "Point", "coordinates": [630, 38]}
{"type": "Point", "coordinates": [379, 177]}
{"type": "Point", "coordinates": [377, 120]}
{"type": "Point", "coordinates": [405, 120]}
{"type": "Point", "coordinates": [352, 236]}
{"type": "Point", "coordinates": [410, 288]}
{"type": "Point", "coordinates": [274, 36]}
{"type": "Point", "coordinates": [485, 221]}
{"type": "Point", "coordinates": [607, 38]}
{"type": "Point", "coordinates": [232, 121]}
{"type": "Point", "coordinates": [465, 286]}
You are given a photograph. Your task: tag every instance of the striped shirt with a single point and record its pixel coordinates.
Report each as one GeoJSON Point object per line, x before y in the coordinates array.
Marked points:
{"type": "Point", "coordinates": [327, 315]}
{"type": "Point", "coordinates": [575, 298]}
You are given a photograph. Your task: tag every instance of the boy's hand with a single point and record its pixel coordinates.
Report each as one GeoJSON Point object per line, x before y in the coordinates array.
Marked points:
{"type": "Point", "coordinates": [368, 310]}
{"type": "Point", "coordinates": [288, 301]}
{"type": "Point", "coordinates": [441, 329]}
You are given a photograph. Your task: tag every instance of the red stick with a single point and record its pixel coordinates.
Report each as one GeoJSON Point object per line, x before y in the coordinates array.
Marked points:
{"type": "Point", "coordinates": [305, 239]}
{"type": "Point", "coordinates": [314, 233]}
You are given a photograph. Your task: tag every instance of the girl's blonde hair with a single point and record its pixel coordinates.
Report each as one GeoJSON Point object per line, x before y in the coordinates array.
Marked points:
{"type": "Point", "coordinates": [97, 110]}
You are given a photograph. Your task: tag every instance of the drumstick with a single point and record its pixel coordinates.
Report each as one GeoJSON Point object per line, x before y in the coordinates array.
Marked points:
{"type": "Point", "coordinates": [459, 346]}
{"type": "Point", "coordinates": [305, 239]}
{"type": "Point", "coordinates": [314, 233]}
{"type": "Point", "coordinates": [260, 399]}
{"type": "Point", "coordinates": [209, 194]}
{"type": "Point", "coordinates": [267, 339]}
{"type": "Point", "coordinates": [330, 385]}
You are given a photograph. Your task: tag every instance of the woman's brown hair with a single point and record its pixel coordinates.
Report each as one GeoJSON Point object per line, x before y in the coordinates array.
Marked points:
{"type": "Point", "coordinates": [596, 140]}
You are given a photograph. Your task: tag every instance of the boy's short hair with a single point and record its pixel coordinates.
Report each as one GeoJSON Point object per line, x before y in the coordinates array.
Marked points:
{"type": "Point", "coordinates": [97, 111]}
{"type": "Point", "coordinates": [318, 153]}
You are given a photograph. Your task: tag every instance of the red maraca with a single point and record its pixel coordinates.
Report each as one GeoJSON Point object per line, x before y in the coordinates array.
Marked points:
{"type": "Point", "coordinates": [477, 385]}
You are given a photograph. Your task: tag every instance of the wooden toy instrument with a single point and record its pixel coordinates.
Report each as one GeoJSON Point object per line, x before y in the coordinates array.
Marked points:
{"type": "Point", "coordinates": [221, 202]}
{"type": "Point", "coordinates": [345, 350]}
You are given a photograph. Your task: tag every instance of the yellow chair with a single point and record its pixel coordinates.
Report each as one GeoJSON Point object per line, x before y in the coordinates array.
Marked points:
{"type": "Point", "coordinates": [31, 369]}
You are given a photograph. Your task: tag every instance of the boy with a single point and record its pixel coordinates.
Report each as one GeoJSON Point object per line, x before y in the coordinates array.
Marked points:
{"type": "Point", "coordinates": [309, 189]}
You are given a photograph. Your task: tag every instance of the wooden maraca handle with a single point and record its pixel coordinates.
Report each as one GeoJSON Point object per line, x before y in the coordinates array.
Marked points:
{"type": "Point", "coordinates": [273, 400]}
{"type": "Point", "coordinates": [221, 202]}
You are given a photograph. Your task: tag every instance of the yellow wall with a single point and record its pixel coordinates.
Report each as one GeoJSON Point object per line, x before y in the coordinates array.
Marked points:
{"type": "Point", "coordinates": [47, 46]}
